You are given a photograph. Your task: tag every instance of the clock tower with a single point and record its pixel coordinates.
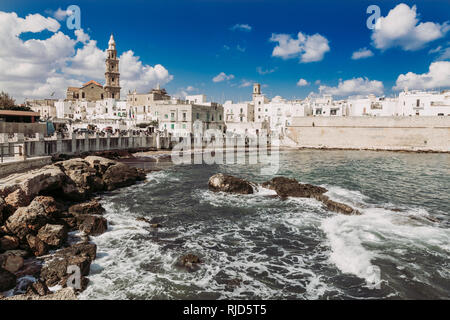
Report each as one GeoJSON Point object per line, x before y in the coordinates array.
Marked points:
{"type": "Point", "coordinates": [112, 75]}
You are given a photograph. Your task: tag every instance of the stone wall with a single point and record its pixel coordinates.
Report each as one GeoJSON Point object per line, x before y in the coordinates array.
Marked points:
{"type": "Point", "coordinates": [25, 128]}
{"type": "Point", "coordinates": [375, 133]}
{"type": "Point", "coordinates": [11, 167]}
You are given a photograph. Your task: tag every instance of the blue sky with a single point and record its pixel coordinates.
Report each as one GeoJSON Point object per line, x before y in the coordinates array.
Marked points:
{"type": "Point", "coordinates": [194, 41]}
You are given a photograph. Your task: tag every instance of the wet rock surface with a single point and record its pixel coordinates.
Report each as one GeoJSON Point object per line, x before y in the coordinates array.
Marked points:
{"type": "Point", "coordinates": [37, 211]}
{"type": "Point", "coordinates": [189, 262]}
{"type": "Point", "coordinates": [227, 183]}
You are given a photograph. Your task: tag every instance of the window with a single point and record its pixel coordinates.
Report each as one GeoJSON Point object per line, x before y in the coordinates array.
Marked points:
{"type": "Point", "coordinates": [242, 110]}
{"type": "Point", "coordinates": [241, 119]}
{"type": "Point", "coordinates": [172, 126]}
{"type": "Point", "coordinates": [184, 116]}
{"type": "Point", "coordinates": [418, 103]}
{"type": "Point", "coordinates": [83, 95]}
{"type": "Point", "coordinates": [101, 96]}
{"type": "Point", "coordinates": [172, 115]}
{"type": "Point", "coordinates": [166, 116]}
{"type": "Point", "coordinates": [184, 126]}
{"type": "Point", "coordinates": [198, 115]}
{"type": "Point", "coordinates": [220, 117]}
{"type": "Point", "coordinates": [259, 109]}
{"type": "Point", "coordinates": [113, 95]}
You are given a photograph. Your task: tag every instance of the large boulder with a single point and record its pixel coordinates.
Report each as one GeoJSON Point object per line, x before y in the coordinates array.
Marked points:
{"type": "Point", "coordinates": [226, 183]}
{"type": "Point", "coordinates": [37, 246]}
{"type": "Point", "coordinates": [287, 187]}
{"type": "Point", "coordinates": [9, 243]}
{"type": "Point", "coordinates": [33, 183]}
{"type": "Point", "coordinates": [7, 280]}
{"type": "Point", "coordinates": [30, 219]}
{"type": "Point", "coordinates": [121, 175]}
{"type": "Point", "coordinates": [55, 269]}
{"type": "Point", "coordinates": [11, 261]}
{"type": "Point", "coordinates": [16, 199]}
{"type": "Point", "coordinates": [92, 224]}
{"type": "Point", "coordinates": [53, 235]}
{"type": "Point", "coordinates": [91, 207]}
{"type": "Point", "coordinates": [81, 178]}
{"type": "Point", "coordinates": [337, 206]}
{"type": "Point", "coordinates": [99, 164]}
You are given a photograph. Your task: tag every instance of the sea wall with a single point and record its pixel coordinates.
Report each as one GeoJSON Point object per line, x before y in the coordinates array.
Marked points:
{"type": "Point", "coordinates": [11, 167]}
{"type": "Point", "coordinates": [372, 133]}
{"type": "Point", "coordinates": [25, 128]}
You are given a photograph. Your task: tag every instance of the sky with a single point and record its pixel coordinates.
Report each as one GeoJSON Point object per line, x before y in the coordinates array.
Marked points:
{"type": "Point", "coordinates": [221, 47]}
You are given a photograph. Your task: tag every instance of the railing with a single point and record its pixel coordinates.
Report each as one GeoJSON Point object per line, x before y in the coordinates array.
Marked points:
{"type": "Point", "coordinates": [9, 154]}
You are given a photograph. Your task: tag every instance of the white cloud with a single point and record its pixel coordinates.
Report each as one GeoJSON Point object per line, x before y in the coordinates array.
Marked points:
{"type": "Point", "coordinates": [444, 53]}
{"type": "Point", "coordinates": [401, 28]}
{"type": "Point", "coordinates": [222, 77]}
{"type": "Point", "coordinates": [246, 83]}
{"type": "Point", "coordinates": [317, 82]}
{"type": "Point", "coordinates": [35, 68]}
{"type": "Point", "coordinates": [438, 76]}
{"type": "Point", "coordinates": [241, 27]}
{"type": "Point", "coordinates": [354, 87]}
{"type": "Point", "coordinates": [61, 14]}
{"type": "Point", "coordinates": [302, 83]}
{"type": "Point", "coordinates": [308, 48]}
{"type": "Point", "coordinates": [262, 71]}
{"type": "Point", "coordinates": [362, 53]}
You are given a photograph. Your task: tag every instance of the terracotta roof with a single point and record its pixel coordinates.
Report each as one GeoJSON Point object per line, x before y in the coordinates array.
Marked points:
{"type": "Point", "coordinates": [92, 82]}
{"type": "Point", "coordinates": [18, 113]}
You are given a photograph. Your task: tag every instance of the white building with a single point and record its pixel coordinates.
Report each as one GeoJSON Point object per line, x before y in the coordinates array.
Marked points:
{"type": "Point", "coordinates": [423, 103]}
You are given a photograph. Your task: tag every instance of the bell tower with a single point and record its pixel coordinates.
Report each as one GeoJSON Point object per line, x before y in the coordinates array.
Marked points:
{"type": "Point", "coordinates": [112, 75]}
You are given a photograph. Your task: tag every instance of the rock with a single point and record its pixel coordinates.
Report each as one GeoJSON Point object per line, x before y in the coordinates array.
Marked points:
{"type": "Point", "coordinates": [34, 182]}
{"type": "Point", "coordinates": [189, 261]}
{"type": "Point", "coordinates": [121, 175]}
{"type": "Point", "coordinates": [91, 207]}
{"type": "Point", "coordinates": [16, 200]}
{"type": "Point", "coordinates": [55, 269]}
{"type": "Point", "coordinates": [93, 225]}
{"type": "Point", "coordinates": [2, 207]}
{"type": "Point", "coordinates": [99, 164]}
{"type": "Point", "coordinates": [153, 225]}
{"type": "Point", "coordinates": [81, 178]}
{"type": "Point", "coordinates": [38, 288]}
{"type": "Point", "coordinates": [11, 263]}
{"type": "Point", "coordinates": [9, 243]}
{"type": "Point", "coordinates": [37, 246]}
{"type": "Point", "coordinates": [82, 248]}
{"type": "Point", "coordinates": [53, 235]}
{"type": "Point", "coordinates": [337, 206]}
{"type": "Point", "coordinates": [7, 280]}
{"type": "Point", "coordinates": [63, 294]}
{"type": "Point", "coordinates": [226, 183]}
{"type": "Point", "coordinates": [30, 219]}
{"type": "Point", "coordinates": [31, 267]}
{"type": "Point", "coordinates": [287, 187]}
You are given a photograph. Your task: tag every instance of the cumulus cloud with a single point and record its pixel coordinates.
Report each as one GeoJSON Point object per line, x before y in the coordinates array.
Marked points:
{"type": "Point", "coordinates": [309, 48]}
{"type": "Point", "coordinates": [241, 27]}
{"type": "Point", "coordinates": [401, 28]}
{"type": "Point", "coordinates": [302, 83]}
{"type": "Point", "coordinates": [362, 53]}
{"type": "Point", "coordinates": [36, 68]}
{"type": "Point", "coordinates": [354, 87]}
{"type": "Point", "coordinates": [438, 76]}
{"type": "Point", "coordinates": [222, 77]}
{"type": "Point", "coordinates": [61, 14]}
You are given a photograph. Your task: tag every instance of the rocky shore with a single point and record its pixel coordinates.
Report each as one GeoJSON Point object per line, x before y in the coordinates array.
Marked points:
{"type": "Point", "coordinates": [284, 187]}
{"type": "Point", "coordinates": [39, 212]}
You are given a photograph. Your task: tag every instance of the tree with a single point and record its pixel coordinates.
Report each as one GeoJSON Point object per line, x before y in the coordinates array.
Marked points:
{"type": "Point", "coordinates": [6, 102]}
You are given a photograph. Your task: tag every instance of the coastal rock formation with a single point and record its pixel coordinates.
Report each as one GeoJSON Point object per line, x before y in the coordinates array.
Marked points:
{"type": "Point", "coordinates": [8, 243]}
{"type": "Point", "coordinates": [189, 261]}
{"type": "Point", "coordinates": [63, 294]}
{"type": "Point", "coordinates": [227, 183]}
{"type": "Point", "coordinates": [52, 234]}
{"type": "Point", "coordinates": [121, 175]}
{"type": "Point", "coordinates": [11, 262]}
{"type": "Point", "coordinates": [287, 187]}
{"type": "Point", "coordinates": [37, 211]}
{"type": "Point", "coordinates": [92, 224]}
{"type": "Point", "coordinates": [284, 187]}
{"type": "Point", "coordinates": [91, 207]}
{"type": "Point", "coordinates": [55, 268]}
{"type": "Point", "coordinates": [30, 219]}
{"type": "Point", "coordinates": [7, 280]}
